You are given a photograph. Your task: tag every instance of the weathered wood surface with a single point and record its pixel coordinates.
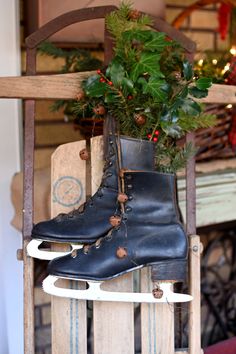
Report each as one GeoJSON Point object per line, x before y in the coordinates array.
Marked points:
{"type": "Point", "coordinates": [195, 291]}
{"type": "Point", "coordinates": [216, 198]}
{"type": "Point", "coordinates": [64, 86]}
{"type": "Point", "coordinates": [113, 322]}
{"type": "Point", "coordinates": [29, 342]}
{"type": "Point", "coordinates": [67, 86]}
{"type": "Point", "coordinates": [157, 322]}
{"type": "Point", "coordinates": [69, 316]}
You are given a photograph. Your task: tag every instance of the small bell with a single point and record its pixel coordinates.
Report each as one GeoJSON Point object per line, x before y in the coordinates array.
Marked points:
{"type": "Point", "coordinates": [157, 292]}
{"type": "Point", "coordinates": [115, 220]}
{"type": "Point", "coordinates": [122, 198]}
{"type": "Point", "coordinates": [121, 252]}
{"type": "Point", "coordinates": [99, 110]}
{"type": "Point", "coordinates": [84, 154]}
{"type": "Point", "coordinates": [140, 119]}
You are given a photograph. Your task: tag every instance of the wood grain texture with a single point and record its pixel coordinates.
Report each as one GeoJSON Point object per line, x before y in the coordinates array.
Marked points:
{"type": "Point", "coordinates": [216, 198]}
{"type": "Point", "coordinates": [69, 316]}
{"type": "Point", "coordinates": [113, 322]}
{"type": "Point", "coordinates": [67, 86]}
{"type": "Point", "coordinates": [195, 291]}
{"type": "Point", "coordinates": [29, 339]}
{"type": "Point", "coordinates": [157, 322]}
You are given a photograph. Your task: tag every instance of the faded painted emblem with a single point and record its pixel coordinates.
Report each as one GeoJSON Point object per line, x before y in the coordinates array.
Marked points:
{"type": "Point", "coordinates": [67, 191]}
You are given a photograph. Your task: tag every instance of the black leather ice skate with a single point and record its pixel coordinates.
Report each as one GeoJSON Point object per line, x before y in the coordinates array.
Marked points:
{"type": "Point", "coordinates": [149, 234]}
{"type": "Point", "coordinates": [93, 219]}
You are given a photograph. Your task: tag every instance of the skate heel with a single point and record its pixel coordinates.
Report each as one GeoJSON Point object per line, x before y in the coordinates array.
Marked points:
{"type": "Point", "coordinates": [170, 271]}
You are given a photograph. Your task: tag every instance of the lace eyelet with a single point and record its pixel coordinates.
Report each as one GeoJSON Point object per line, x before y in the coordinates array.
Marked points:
{"type": "Point", "coordinates": [128, 209]}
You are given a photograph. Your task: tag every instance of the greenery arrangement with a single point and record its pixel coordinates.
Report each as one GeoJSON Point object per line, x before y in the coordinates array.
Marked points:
{"type": "Point", "coordinates": [76, 60]}
{"type": "Point", "coordinates": [149, 86]}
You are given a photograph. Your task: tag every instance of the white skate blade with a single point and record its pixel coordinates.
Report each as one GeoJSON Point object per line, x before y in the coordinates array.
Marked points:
{"type": "Point", "coordinates": [34, 251]}
{"type": "Point", "coordinates": [95, 293]}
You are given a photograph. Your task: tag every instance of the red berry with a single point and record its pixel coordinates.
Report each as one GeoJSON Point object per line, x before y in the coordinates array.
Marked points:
{"type": "Point", "coordinates": [157, 132]}
{"type": "Point", "coordinates": [98, 71]}
{"type": "Point", "coordinates": [101, 79]}
{"type": "Point", "coordinates": [149, 136]}
{"type": "Point", "coordinates": [110, 83]}
{"type": "Point", "coordinates": [130, 97]}
{"type": "Point", "coordinates": [155, 139]}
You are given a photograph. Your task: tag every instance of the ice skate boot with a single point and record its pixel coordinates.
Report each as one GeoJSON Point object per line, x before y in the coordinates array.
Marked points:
{"type": "Point", "coordinates": [93, 219]}
{"type": "Point", "coordinates": [149, 234]}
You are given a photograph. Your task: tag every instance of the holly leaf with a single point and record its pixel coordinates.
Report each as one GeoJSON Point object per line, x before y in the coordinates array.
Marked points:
{"type": "Point", "coordinates": [187, 70]}
{"type": "Point", "coordinates": [94, 88]}
{"type": "Point", "coordinates": [173, 130]}
{"type": "Point", "coordinates": [127, 86]}
{"type": "Point", "coordinates": [147, 64]}
{"type": "Point", "coordinates": [109, 97]}
{"type": "Point", "coordinates": [155, 87]}
{"type": "Point", "coordinates": [191, 107]}
{"type": "Point", "coordinates": [117, 72]}
{"type": "Point", "coordinates": [157, 43]}
{"type": "Point", "coordinates": [196, 92]}
{"type": "Point", "coordinates": [203, 83]}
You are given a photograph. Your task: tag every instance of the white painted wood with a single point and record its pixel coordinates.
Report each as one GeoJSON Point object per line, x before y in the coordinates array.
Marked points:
{"type": "Point", "coordinates": [11, 274]}
{"type": "Point", "coordinates": [113, 322]}
{"type": "Point", "coordinates": [216, 198]}
{"type": "Point", "coordinates": [69, 316]}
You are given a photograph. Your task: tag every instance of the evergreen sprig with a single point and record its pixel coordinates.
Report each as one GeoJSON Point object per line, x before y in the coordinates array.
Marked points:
{"type": "Point", "coordinates": [149, 86]}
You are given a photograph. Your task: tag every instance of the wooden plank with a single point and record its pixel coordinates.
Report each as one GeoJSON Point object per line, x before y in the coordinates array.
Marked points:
{"type": "Point", "coordinates": [195, 291]}
{"type": "Point", "coordinates": [113, 322]}
{"type": "Point", "coordinates": [221, 94]}
{"type": "Point", "coordinates": [69, 316]}
{"type": "Point", "coordinates": [65, 86]}
{"type": "Point", "coordinates": [29, 342]}
{"type": "Point", "coordinates": [157, 322]}
{"type": "Point", "coordinates": [212, 191]}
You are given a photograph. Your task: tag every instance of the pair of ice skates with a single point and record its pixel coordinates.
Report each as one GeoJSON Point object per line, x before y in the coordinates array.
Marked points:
{"type": "Point", "coordinates": [131, 222]}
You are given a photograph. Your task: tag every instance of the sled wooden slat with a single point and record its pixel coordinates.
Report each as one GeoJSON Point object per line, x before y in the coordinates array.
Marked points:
{"type": "Point", "coordinates": [157, 322]}
{"type": "Point", "coordinates": [64, 86]}
{"type": "Point", "coordinates": [113, 322]}
{"type": "Point", "coordinates": [69, 316]}
{"type": "Point", "coordinates": [195, 291]}
{"type": "Point", "coordinates": [67, 86]}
